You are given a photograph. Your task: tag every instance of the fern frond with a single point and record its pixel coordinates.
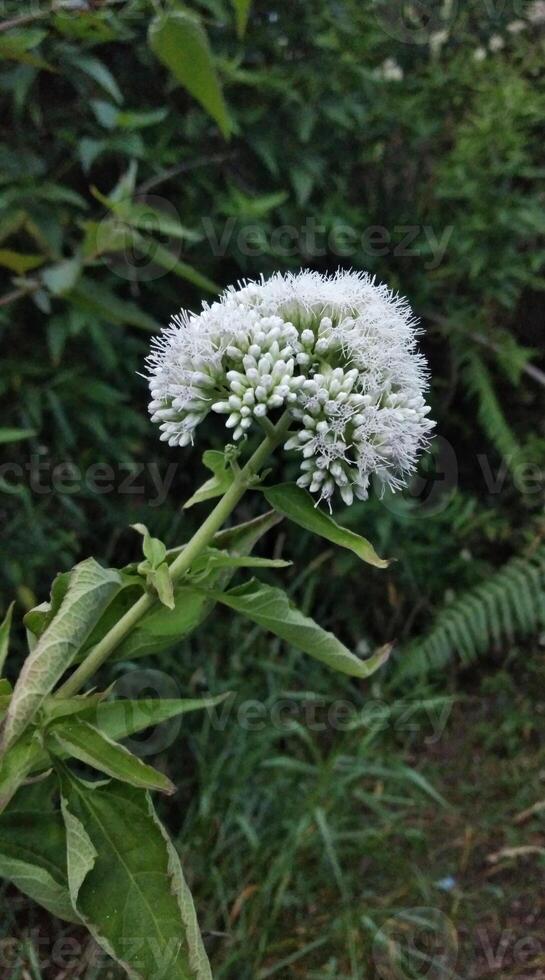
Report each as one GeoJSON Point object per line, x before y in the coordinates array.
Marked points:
{"type": "Point", "coordinates": [490, 414]}
{"type": "Point", "coordinates": [510, 604]}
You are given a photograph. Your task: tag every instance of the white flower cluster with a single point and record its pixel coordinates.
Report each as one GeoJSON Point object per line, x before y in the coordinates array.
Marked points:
{"type": "Point", "coordinates": [338, 353]}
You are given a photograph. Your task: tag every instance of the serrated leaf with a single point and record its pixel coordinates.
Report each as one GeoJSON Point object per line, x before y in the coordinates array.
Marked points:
{"type": "Point", "coordinates": [132, 898]}
{"type": "Point", "coordinates": [5, 627]}
{"type": "Point", "coordinates": [83, 741]}
{"type": "Point", "coordinates": [179, 41]}
{"type": "Point", "coordinates": [298, 506]}
{"type": "Point", "coordinates": [90, 589]}
{"type": "Point", "coordinates": [33, 858]}
{"type": "Point", "coordinates": [218, 484]}
{"type": "Point", "coordinates": [272, 609]}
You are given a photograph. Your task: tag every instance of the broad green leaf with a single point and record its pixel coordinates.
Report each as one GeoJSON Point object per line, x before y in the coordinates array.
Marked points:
{"type": "Point", "coordinates": [161, 628]}
{"type": "Point", "coordinates": [218, 484]}
{"type": "Point", "coordinates": [122, 601]}
{"type": "Point", "coordinates": [15, 435]}
{"type": "Point", "coordinates": [298, 506]}
{"type": "Point", "coordinates": [83, 741]}
{"type": "Point", "coordinates": [21, 759]}
{"type": "Point", "coordinates": [126, 882]}
{"type": "Point", "coordinates": [179, 41]}
{"type": "Point", "coordinates": [5, 627]}
{"type": "Point", "coordinates": [242, 11]}
{"type": "Point", "coordinates": [90, 589]}
{"type": "Point", "coordinates": [33, 858]}
{"type": "Point", "coordinates": [20, 262]}
{"type": "Point", "coordinates": [61, 278]}
{"type": "Point", "coordinates": [271, 608]}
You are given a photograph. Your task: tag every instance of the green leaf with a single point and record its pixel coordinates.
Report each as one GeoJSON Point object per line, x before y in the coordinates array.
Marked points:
{"type": "Point", "coordinates": [90, 589]}
{"type": "Point", "coordinates": [61, 278]}
{"type": "Point", "coordinates": [21, 759]}
{"type": "Point", "coordinates": [15, 435]}
{"type": "Point", "coordinates": [161, 629]}
{"type": "Point", "coordinates": [33, 858]}
{"type": "Point", "coordinates": [83, 741]}
{"type": "Point", "coordinates": [98, 71]}
{"type": "Point", "coordinates": [211, 558]}
{"type": "Point", "coordinates": [119, 719]}
{"type": "Point", "coordinates": [154, 549]}
{"type": "Point", "coordinates": [126, 882]}
{"type": "Point", "coordinates": [242, 11]}
{"type": "Point", "coordinates": [241, 539]}
{"type": "Point", "coordinates": [122, 718]}
{"type": "Point", "coordinates": [217, 485]}
{"type": "Point", "coordinates": [20, 262]}
{"type": "Point", "coordinates": [98, 299]}
{"type": "Point", "coordinates": [272, 609]}
{"type": "Point", "coordinates": [38, 619]}
{"type": "Point", "coordinates": [298, 506]}
{"type": "Point", "coordinates": [179, 41]}
{"type": "Point", "coordinates": [5, 627]}
{"type": "Point", "coordinates": [161, 581]}
{"type": "Point", "coordinates": [168, 261]}
{"type": "Point", "coordinates": [54, 708]}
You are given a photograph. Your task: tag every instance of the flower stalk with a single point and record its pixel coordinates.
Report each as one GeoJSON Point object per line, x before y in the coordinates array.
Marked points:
{"type": "Point", "coordinates": [195, 546]}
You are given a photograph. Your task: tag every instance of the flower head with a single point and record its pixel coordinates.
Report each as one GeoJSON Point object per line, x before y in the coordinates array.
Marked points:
{"type": "Point", "coordinates": [338, 353]}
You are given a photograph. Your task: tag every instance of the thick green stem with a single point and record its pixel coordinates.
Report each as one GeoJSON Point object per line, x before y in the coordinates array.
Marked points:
{"type": "Point", "coordinates": [200, 540]}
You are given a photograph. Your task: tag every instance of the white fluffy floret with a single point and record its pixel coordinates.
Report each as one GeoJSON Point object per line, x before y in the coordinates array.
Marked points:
{"type": "Point", "coordinates": [338, 353]}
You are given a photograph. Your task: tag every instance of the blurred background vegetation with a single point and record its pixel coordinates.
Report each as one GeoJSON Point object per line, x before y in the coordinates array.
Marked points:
{"type": "Point", "coordinates": [152, 153]}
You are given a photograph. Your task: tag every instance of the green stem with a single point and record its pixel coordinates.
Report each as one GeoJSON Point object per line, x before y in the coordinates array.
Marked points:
{"type": "Point", "coordinates": [200, 540]}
